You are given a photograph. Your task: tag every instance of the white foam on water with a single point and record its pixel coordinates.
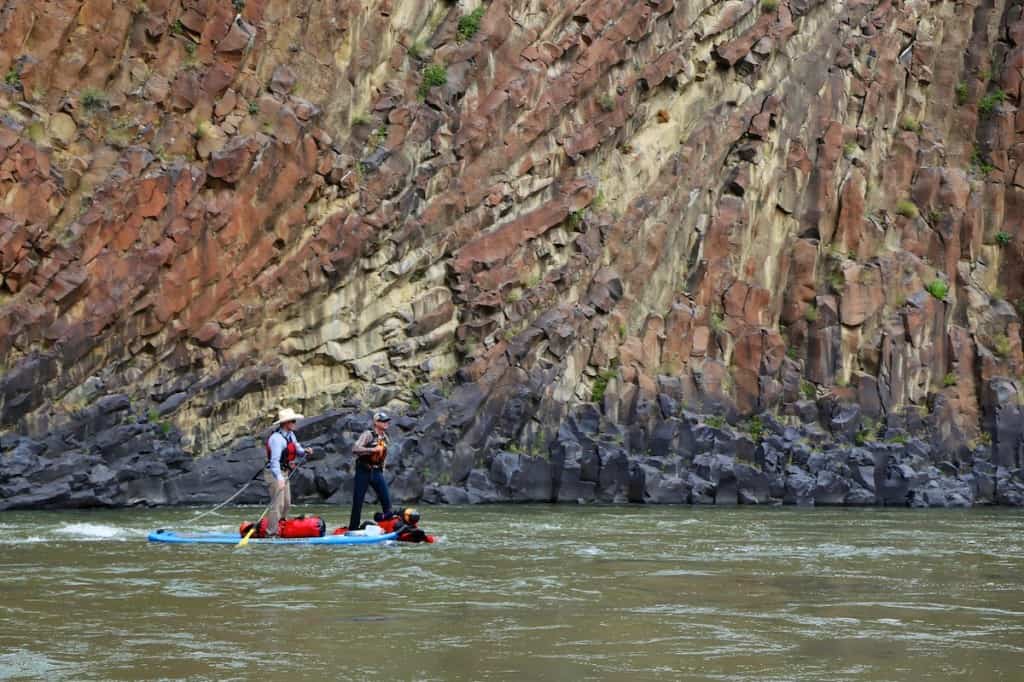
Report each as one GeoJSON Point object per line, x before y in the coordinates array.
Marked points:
{"type": "Point", "coordinates": [94, 531]}
{"type": "Point", "coordinates": [21, 541]}
{"type": "Point", "coordinates": [590, 551]}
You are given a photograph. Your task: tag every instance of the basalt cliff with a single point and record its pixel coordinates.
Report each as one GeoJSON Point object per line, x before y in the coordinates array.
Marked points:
{"type": "Point", "coordinates": [587, 250]}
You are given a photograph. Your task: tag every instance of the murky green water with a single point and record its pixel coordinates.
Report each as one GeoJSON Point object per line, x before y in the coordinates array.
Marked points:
{"type": "Point", "coordinates": [523, 593]}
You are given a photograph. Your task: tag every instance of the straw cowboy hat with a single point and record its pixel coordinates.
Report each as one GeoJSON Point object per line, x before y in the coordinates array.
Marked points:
{"type": "Point", "coordinates": [287, 415]}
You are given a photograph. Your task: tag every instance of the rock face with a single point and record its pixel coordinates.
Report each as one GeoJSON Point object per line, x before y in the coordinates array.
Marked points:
{"type": "Point", "coordinates": [591, 218]}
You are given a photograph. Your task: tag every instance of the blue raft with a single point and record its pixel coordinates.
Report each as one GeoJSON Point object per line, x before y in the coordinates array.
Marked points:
{"type": "Point", "coordinates": [171, 536]}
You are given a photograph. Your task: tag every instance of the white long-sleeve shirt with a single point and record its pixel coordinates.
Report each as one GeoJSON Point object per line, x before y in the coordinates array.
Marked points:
{"type": "Point", "coordinates": [278, 443]}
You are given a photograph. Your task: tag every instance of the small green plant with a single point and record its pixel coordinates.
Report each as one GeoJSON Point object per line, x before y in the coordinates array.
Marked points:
{"type": "Point", "coordinates": [434, 76]}
{"type": "Point", "coordinates": [165, 428]}
{"type": "Point", "coordinates": [980, 162]}
{"type": "Point", "coordinates": [12, 77]}
{"type": "Point", "coordinates": [1001, 345]}
{"type": "Point", "coordinates": [910, 124]}
{"type": "Point", "coordinates": [989, 101]}
{"type": "Point", "coordinates": [152, 415]}
{"type": "Point", "coordinates": [190, 50]}
{"type": "Point", "coordinates": [906, 208]}
{"type": "Point", "coordinates": [899, 439]}
{"type": "Point", "coordinates": [622, 331]}
{"type": "Point", "coordinates": [417, 49]}
{"type": "Point", "coordinates": [601, 384]}
{"type": "Point", "coordinates": [254, 108]}
{"type": "Point", "coordinates": [961, 94]}
{"type": "Point", "coordinates": [997, 293]}
{"type": "Point", "coordinates": [1003, 238]}
{"type": "Point", "coordinates": [755, 427]}
{"type": "Point", "coordinates": [808, 390]}
{"type": "Point", "coordinates": [239, 5]}
{"type": "Point", "coordinates": [850, 149]}
{"type": "Point", "coordinates": [203, 130]}
{"type": "Point", "coordinates": [717, 323]}
{"type": "Point", "coordinates": [574, 220]}
{"type": "Point", "coordinates": [769, 5]}
{"type": "Point", "coordinates": [469, 24]}
{"type": "Point", "coordinates": [934, 216]}
{"type": "Point", "coordinates": [178, 28]}
{"type": "Point", "coordinates": [792, 353]}
{"type": "Point", "coordinates": [811, 314]}
{"type": "Point", "coordinates": [715, 421]}
{"type": "Point", "coordinates": [598, 201]}
{"type": "Point", "coordinates": [360, 120]}
{"type": "Point", "coordinates": [836, 281]}
{"type": "Point", "coordinates": [380, 135]}
{"type": "Point", "coordinates": [606, 102]}
{"type": "Point", "coordinates": [938, 288]}
{"type": "Point", "coordinates": [514, 296]}
{"type": "Point", "coordinates": [93, 99]}
{"type": "Point", "coordinates": [949, 380]}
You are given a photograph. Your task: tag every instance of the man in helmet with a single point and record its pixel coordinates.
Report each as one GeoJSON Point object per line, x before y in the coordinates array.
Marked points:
{"type": "Point", "coordinates": [370, 450]}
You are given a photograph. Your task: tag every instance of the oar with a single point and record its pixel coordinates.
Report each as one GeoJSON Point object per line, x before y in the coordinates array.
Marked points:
{"type": "Point", "coordinates": [245, 540]}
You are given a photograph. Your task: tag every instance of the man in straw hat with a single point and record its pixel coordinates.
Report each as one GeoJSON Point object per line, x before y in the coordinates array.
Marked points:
{"type": "Point", "coordinates": [283, 455]}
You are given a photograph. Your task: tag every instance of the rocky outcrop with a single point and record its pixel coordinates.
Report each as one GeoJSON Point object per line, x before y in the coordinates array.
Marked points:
{"type": "Point", "coordinates": [800, 210]}
{"type": "Point", "coordinates": [117, 457]}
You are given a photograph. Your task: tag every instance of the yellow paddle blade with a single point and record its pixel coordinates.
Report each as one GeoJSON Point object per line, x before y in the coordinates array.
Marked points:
{"type": "Point", "coordinates": [245, 541]}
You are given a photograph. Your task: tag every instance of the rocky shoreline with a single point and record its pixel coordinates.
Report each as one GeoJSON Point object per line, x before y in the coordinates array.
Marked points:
{"type": "Point", "coordinates": [110, 456]}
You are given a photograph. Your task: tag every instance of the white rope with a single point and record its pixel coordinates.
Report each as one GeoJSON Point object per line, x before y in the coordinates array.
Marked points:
{"type": "Point", "coordinates": [210, 511]}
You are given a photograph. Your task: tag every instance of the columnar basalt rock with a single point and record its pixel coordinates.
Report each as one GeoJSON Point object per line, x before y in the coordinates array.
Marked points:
{"type": "Point", "coordinates": [770, 209]}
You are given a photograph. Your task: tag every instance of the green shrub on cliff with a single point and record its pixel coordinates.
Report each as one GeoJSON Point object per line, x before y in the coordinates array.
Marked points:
{"type": "Point", "coordinates": [1001, 345]}
{"type": "Point", "coordinates": [961, 94]}
{"type": "Point", "coordinates": [755, 427]}
{"type": "Point", "coordinates": [910, 124]}
{"type": "Point", "coordinates": [715, 421]}
{"type": "Point", "coordinates": [93, 99]}
{"type": "Point", "coordinates": [13, 78]}
{"type": "Point", "coordinates": [1003, 238]}
{"type": "Point", "coordinates": [808, 390]}
{"type": "Point", "coordinates": [989, 101]}
{"type": "Point", "coordinates": [949, 380]}
{"type": "Point", "coordinates": [469, 24]}
{"type": "Point", "coordinates": [938, 288]}
{"type": "Point", "coordinates": [601, 384]}
{"type": "Point", "coordinates": [906, 208]}
{"type": "Point", "coordinates": [769, 5]}
{"type": "Point", "coordinates": [434, 76]}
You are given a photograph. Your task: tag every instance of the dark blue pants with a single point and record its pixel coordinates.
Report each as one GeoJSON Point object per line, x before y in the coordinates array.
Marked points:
{"type": "Point", "coordinates": [367, 477]}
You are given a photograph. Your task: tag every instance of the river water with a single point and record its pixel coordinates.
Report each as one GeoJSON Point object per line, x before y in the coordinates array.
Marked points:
{"type": "Point", "coordinates": [522, 593]}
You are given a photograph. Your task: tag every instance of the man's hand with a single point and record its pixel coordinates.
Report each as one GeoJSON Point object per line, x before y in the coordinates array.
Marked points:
{"type": "Point", "coordinates": [309, 451]}
{"type": "Point", "coordinates": [281, 483]}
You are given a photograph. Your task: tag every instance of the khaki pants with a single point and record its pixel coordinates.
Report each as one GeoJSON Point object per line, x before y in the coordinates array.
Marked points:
{"type": "Point", "coordinates": [280, 501]}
